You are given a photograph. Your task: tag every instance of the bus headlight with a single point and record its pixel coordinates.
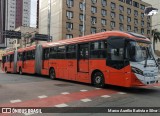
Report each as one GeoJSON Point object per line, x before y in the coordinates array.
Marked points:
{"type": "Point", "coordinates": [137, 71]}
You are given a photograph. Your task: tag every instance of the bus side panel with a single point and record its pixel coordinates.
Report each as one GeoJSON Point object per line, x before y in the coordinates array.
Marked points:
{"type": "Point", "coordinates": [30, 66]}
{"type": "Point", "coordinates": [72, 69]}
{"type": "Point", "coordinates": [45, 67]}
{"type": "Point", "coordinates": [61, 70]}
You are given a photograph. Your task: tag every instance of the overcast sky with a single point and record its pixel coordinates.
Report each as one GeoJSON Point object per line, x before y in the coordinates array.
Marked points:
{"type": "Point", "coordinates": [33, 13]}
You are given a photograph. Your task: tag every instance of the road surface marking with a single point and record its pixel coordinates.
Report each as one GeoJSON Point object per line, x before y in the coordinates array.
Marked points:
{"type": "Point", "coordinates": [83, 90]}
{"type": "Point", "coordinates": [122, 93]}
{"type": "Point", "coordinates": [28, 114]}
{"type": "Point", "coordinates": [61, 105]}
{"type": "Point", "coordinates": [15, 101]}
{"type": "Point", "coordinates": [65, 93]}
{"type": "Point", "coordinates": [86, 100]}
{"type": "Point", "coordinates": [105, 96]}
{"type": "Point", "coordinates": [42, 96]}
{"type": "Point", "coordinates": [97, 88]}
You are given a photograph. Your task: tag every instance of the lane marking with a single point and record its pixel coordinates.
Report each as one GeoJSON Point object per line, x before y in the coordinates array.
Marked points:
{"type": "Point", "coordinates": [83, 90]}
{"type": "Point", "coordinates": [15, 101]}
{"type": "Point", "coordinates": [42, 96]}
{"type": "Point", "coordinates": [122, 93]}
{"type": "Point", "coordinates": [65, 93]}
{"type": "Point", "coordinates": [86, 100]}
{"type": "Point", "coordinates": [97, 88]}
{"type": "Point", "coordinates": [105, 96]}
{"type": "Point", "coordinates": [61, 105]}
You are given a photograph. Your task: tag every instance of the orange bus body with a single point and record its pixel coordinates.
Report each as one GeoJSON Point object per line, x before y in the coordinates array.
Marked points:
{"type": "Point", "coordinates": [79, 69]}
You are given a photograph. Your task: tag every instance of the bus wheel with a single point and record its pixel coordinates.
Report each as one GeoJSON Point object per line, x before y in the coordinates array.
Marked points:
{"type": "Point", "coordinates": [52, 74]}
{"type": "Point", "coordinates": [20, 71]}
{"type": "Point", "coordinates": [98, 79]}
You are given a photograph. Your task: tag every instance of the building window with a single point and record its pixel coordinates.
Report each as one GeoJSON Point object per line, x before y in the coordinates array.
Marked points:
{"type": "Point", "coordinates": [93, 30]}
{"type": "Point", "coordinates": [94, 1]}
{"type": "Point", "coordinates": [113, 5]}
{"type": "Point", "coordinates": [81, 28]}
{"type": "Point", "coordinates": [136, 29]}
{"type": "Point", "coordinates": [136, 21]}
{"type": "Point", "coordinates": [103, 22]}
{"type": "Point", "coordinates": [104, 12]}
{"type": "Point", "coordinates": [103, 30]}
{"type": "Point", "coordinates": [81, 17]}
{"type": "Point", "coordinates": [121, 8]}
{"type": "Point", "coordinates": [69, 14]}
{"type": "Point", "coordinates": [142, 31]}
{"type": "Point", "coordinates": [129, 2]}
{"type": "Point", "coordinates": [121, 18]}
{"type": "Point", "coordinates": [69, 26]}
{"type": "Point", "coordinates": [93, 20]}
{"type": "Point", "coordinates": [128, 27]}
{"type": "Point", "coordinates": [113, 15]}
{"type": "Point", "coordinates": [104, 3]}
{"type": "Point", "coordinates": [128, 19]}
{"type": "Point", "coordinates": [142, 15]}
{"type": "Point", "coordinates": [113, 24]}
{"type": "Point", "coordinates": [135, 13]}
{"type": "Point", "coordinates": [68, 36]}
{"type": "Point", "coordinates": [81, 6]}
{"type": "Point", "coordinates": [122, 0]}
{"type": "Point", "coordinates": [142, 23]}
{"type": "Point", "coordinates": [121, 27]}
{"type": "Point", "coordinates": [128, 11]}
{"type": "Point", "coordinates": [94, 9]}
{"type": "Point", "coordinates": [142, 6]}
{"type": "Point", "coordinates": [148, 25]}
{"type": "Point", "coordinates": [70, 3]}
{"type": "Point", "coordinates": [135, 4]}
{"type": "Point", "coordinates": [148, 31]}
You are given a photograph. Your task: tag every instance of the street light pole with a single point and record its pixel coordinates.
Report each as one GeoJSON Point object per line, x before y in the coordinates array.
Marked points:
{"type": "Point", "coordinates": [84, 12]}
{"type": "Point", "coordinates": [49, 19]}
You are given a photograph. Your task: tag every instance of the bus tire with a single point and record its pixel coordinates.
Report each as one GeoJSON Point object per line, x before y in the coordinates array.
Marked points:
{"type": "Point", "coordinates": [20, 71]}
{"type": "Point", "coordinates": [52, 74]}
{"type": "Point", "coordinates": [98, 79]}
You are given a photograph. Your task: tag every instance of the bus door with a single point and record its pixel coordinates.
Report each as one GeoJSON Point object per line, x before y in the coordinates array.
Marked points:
{"type": "Point", "coordinates": [115, 61]}
{"type": "Point", "coordinates": [83, 58]}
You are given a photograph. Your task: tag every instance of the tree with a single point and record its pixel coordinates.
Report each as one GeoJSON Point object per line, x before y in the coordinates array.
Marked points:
{"type": "Point", "coordinates": [156, 37]}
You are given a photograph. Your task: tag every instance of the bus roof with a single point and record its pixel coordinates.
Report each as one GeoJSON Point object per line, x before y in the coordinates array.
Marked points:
{"type": "Point", "coordinates": [27, 48]}
{"type": "Point", "coordinates": [98, 36]}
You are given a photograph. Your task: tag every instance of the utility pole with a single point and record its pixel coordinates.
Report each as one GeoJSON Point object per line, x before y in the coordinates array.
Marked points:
{"type": "Point", "coordinates": [84, 12]}
{"type": "Point", "coordinates": [49, 19]}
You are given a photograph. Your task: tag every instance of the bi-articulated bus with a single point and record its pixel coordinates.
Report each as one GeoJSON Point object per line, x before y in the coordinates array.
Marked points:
{"type": "Point", "coordinates": [112, 57]}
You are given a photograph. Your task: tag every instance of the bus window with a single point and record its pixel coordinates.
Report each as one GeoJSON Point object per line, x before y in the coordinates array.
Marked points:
{"type": "Point", "coordinates": [83, 51]}
{"type": "Point", "coordinates": [71, 52]}
{"type": "Point", "coordinates": [53, 53]}
{"type": "Point", "coordinates": [115, 55]}
{"type": "Point", "coordinates": [98, 49]}
{"type": "Point", "coordinates": [46, 54]}
{"type": "Point", "coordinates": [11, 58]}
{"type": "Point", "coordinates": [61, 52]}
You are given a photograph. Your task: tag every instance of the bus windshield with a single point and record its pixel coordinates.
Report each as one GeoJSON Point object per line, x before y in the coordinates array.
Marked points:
{"type": "Point", "coordinates": [138, 51]}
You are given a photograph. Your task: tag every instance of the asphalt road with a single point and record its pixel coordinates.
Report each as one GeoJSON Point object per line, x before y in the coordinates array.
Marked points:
{"type": "Point", "coordinates": [38, 91]}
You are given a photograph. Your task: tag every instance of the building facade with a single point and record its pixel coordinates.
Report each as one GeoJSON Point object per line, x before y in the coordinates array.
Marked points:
{"type": "Point", "coordinates": [17, 13]}
{"type": "Point", "coordinates": [100, 15]}
{"type": "Point", "coordinates": [2, 22]}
